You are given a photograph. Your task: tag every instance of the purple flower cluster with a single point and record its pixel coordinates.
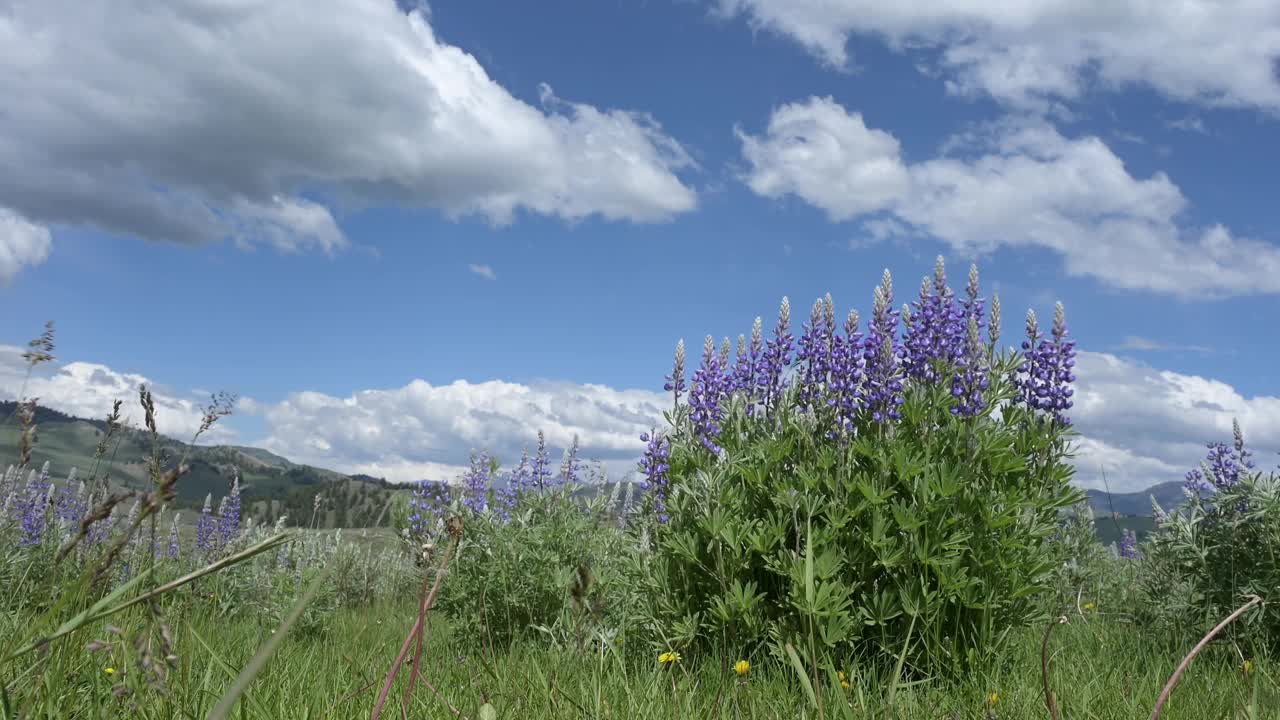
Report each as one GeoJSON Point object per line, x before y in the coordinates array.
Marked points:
{"type": "Point", "coordinates": [1129, 545]}
{"type": "Point", "coordinates": [816, 352]}
{"type": "Point", "coordinates": [1222, 468]}
{"type": "Point", "coordinates": [32, 506]}
{"type": "Point", "coordinates": [882, 378]}
{"type": "Point", "coordinates": [970, 379]}
{"type": "Point", "coordinates": [777, 355]}
{"type": "Point", "coordinates": [174, 546]}
{"type": "Point", "coordinates": [1044, 378]}
{"type": "Point", "coordinates": [475, 484]}
{"type": "Point", "coordinates": [936, 333]}
{"type": "Point", "coordinates": [426, 505]}
{"type": "Point", "coordinates": [571, 467]}
{"type": "Point", "coordinates": [747, 366]}
{"type": "Point", "coordinates": [71, 504]}
{"type": "Point", "coordinates": [653, 467]}
{"type": "Point", "coordinates": [846, 373]}
{"type": "Point", "coordinates": [206, 527]}
{"type": "Point", "coordinates": [229, 516]}
{"type": "Point", "coordinates": [705, 397]}
{"type": "Point", "coordinates": [540, 472]}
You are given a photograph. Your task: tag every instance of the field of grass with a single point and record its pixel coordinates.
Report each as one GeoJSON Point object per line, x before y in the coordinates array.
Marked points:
{"type": "Point", "coordinates": [1101, 667]}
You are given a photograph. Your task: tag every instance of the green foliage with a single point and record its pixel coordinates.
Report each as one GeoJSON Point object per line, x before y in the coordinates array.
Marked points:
{"type": "Point", "coordinates": [935, 522]}
{"type": "Point", "coordinates": [1207, 558]}
{"type": "Point", "coordinates": [551, 567]}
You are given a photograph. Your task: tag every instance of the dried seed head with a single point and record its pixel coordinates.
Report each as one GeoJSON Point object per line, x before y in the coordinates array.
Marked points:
{"type": "Point", "coordinates": [40, 349]}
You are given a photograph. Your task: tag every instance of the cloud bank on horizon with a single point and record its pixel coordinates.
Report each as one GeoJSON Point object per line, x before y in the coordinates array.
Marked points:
{"type": "Point", "coordinates": [1138, 425]}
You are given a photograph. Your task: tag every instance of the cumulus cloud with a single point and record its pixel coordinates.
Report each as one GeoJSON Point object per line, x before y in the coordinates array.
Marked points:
{"type": "Point", "coordinates": [1143, 425]}
{"type": "Point", "coordinates": [22, 244]}
{"type": "Point", "coordinates": [484, 271]}
{"type": "Point", "coordinates": [422, 430]}
{"type": "Point", "coordinates": [88, 390]}
{"type": "Point", "coordinates": [1015, 183]}
{"type": "Point", "coordinates": [192, 121]}
{"type": "Point", "coordinates": [1031, 53]}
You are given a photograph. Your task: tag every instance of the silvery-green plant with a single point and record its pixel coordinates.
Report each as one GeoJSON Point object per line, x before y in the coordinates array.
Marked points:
{"type": "Point", "coordinates": [1218, 548]}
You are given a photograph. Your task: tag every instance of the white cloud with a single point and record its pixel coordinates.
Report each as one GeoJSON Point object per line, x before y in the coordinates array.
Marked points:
{"type": "Point", "coordinates": [22, 244]}
{"type": "Point", "coordinates": [191, 121]}
{"type": "Point", "coordinates": [1145, 425]}
{"type": "Point", "coordinates": [484, 271]}
{"type": "Point", "coordinates": [87, 390]}
{"type": "Point", "coordinates": [1013, 184]}
{"type": "Point", "coordinates": [420, 430]}
{"type": "Point", "coordinates": [828, 157]}
{"type": "Point", "coordinates": [1216, 52]}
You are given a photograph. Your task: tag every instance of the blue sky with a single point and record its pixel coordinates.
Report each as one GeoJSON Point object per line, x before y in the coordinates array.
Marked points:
{"type": "Point", "coordinates": [539, 199]}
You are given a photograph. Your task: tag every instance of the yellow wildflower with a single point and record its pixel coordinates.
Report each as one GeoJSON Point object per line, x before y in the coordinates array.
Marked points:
{"type": "Point", "coordinates": [992, 699]}
{"type": "Point", "coordinates": [1247, 666]}
{"type": "Point", "coordinates": [669, 657]}
{"type": "Point", "coordinates": [109, 671]}
{"type": "Point", "coordinates": [742, 667]}
{"type": "Point", "coordinates": [1089, 606]}
{"type": "Point", "coordinates": [844, 681]}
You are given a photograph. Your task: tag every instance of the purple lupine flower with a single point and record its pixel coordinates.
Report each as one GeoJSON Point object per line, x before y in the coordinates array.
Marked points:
{"type": "Point", "coordinates": [936, 332]}
{"type": "Point", "coordinates": [882, 374]}
{"type": "Point", "coordinates": [521, 476]}
{"type": "Point", "coordinates": [229, 516]}
{"type": "Point", "coordinates": [571, 466]}
{"type": "Point", "coordinates": [705, 396]}
{"type": "Point", "coordinates": [426, 505]}
{"type": "Point", "coordinates": [743, 378]}
{"type": "Point", "coordinates": [476, 484]}
{"type": "Point", "coordinates": [970, 380]}
{"type": "Point", "coordinates": [675, 381]}
{"type": "Point", "coordinates": [1129, 545]}
{"type": "Point", "coordinates": [70, 505]}
{"type": "Point", "coordinates": [99, 530]}
{"type": "Point", "coordinates": [173, 538]}
{"type": "Point", "coordinates": [32, 507]}
{"type": "Point", "coordinates": [653, 467]}
{"type": "Point", "coordinates": [846, 374]}
{"type": "Point", "coordinates": [540, 474]}
{"type": "Point", "coordinates": [206, 527]}
{"type": "Point", "coordinates": [815, 351]}
{"type": "Point", "coordinates": [777, 355]}
{"type": "Point", "coordinates": [1195, 485]}
{"type": "Point", "coordinates": [1045, 375]}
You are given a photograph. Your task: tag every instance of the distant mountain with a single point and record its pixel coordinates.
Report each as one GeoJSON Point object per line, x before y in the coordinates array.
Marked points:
{"type": "Point", "coordinates": [271, 486]}
{"type": "Point", "coordinates": [1168, 494]}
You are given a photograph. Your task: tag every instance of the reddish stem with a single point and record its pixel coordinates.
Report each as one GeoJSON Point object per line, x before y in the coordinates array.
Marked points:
{"type": "Point", "coordinates": [1177, 674]}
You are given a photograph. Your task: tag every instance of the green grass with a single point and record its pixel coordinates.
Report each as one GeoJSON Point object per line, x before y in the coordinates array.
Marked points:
{"type": "Point", "coordinates": [1101, 668]}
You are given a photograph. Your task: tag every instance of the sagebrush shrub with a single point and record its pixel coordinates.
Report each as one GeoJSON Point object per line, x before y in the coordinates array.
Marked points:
{"type": "Point", "coordinates": [878, 494]}
{"type": "Point", "coordinates": [1220, 547]}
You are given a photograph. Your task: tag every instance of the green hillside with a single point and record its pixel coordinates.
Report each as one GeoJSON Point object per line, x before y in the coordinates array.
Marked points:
{"type": "Point", "coordinates": [271, 485]}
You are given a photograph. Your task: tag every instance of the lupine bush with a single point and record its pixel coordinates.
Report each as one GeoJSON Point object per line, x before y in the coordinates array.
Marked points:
{"type": "Point", "coordinates": [531, 561]}
{"type": "Point", "coordinates": [1221, 546]}
{"type": "Point", "coordinates": [894, 492]}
